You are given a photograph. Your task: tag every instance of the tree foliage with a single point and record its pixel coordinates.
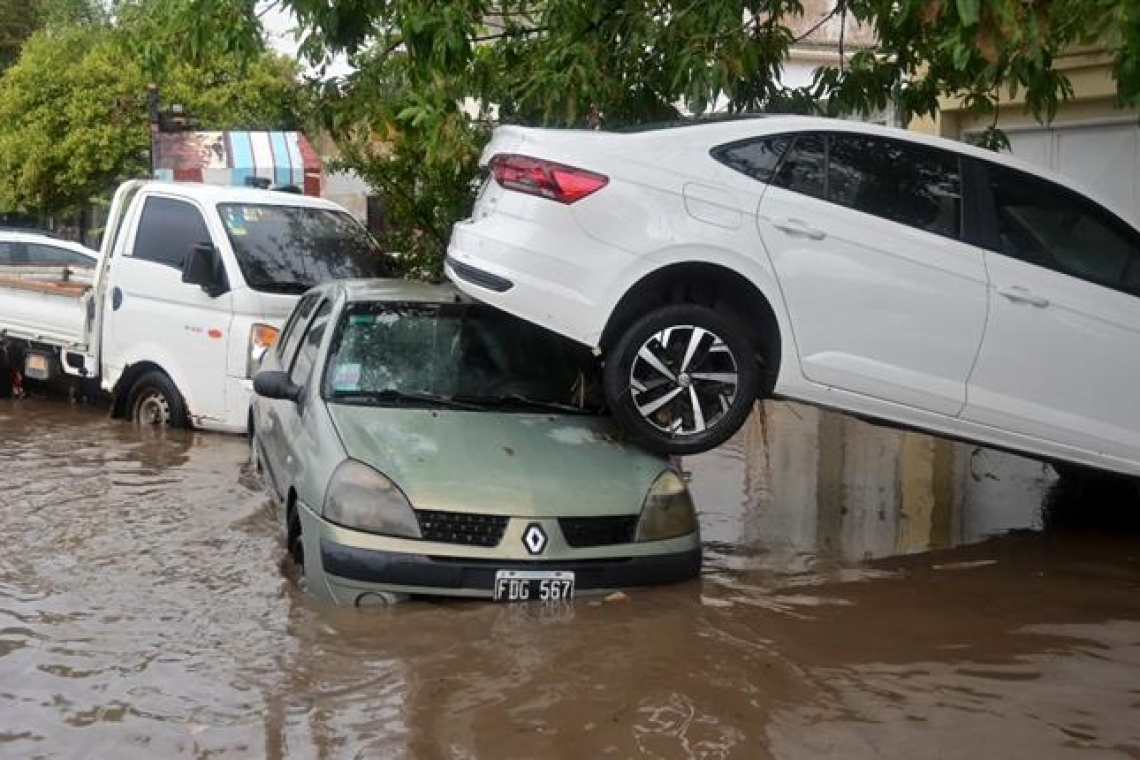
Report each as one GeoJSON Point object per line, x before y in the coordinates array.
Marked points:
{"type": "Point", "coordinates": [73, 116]}
{"type": "Point", "coordinates": [429, 76]}
{"type": "Point", "coordinates": [19, 19]}
{"type": "Point", "coordinates": [608, 63]}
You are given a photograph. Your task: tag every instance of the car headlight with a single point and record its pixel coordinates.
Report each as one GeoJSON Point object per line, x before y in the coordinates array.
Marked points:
{"type": "Point", "coordinates": [361, 498]}
{"type": "Point", "coordinates": [261, 339]}
{"type": "Point", "coordinates": [668, 510]}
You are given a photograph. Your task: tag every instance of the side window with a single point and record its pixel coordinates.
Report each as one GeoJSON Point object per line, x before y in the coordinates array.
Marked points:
{"type": "Point", "coordinates": [56, 256]}
{"type": "Point", "coordinates": [168, 230]}
{"type": "Point", "coordinates": [802, 170]}
{"type": "Point", "coordinates": [291, 334]}
{"type": "Point", "coordinates": [13, 253]}
{"type": "Point", "coordinates": [903, 182]}
{"type": "Point", "coordinates": [1051, 226]}
{"type": "Point", "coordinates": [756, 158]}
{"type": "Point", "coordinates": [310, 345]}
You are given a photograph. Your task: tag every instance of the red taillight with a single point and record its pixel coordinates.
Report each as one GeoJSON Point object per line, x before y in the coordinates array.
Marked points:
{"type": "Point", "coordinates": [534, 176]}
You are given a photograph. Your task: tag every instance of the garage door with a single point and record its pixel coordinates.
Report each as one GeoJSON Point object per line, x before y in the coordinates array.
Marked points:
{"type": "Point", "coordinates": [1104, 158]}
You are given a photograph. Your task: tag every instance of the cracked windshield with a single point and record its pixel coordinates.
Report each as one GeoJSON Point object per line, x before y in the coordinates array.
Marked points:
{"type": "Point", "coordinates": [385, 353]}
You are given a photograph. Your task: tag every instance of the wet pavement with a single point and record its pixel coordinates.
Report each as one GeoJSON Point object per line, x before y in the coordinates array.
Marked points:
{"type": "Point", "coordinates": [867, 593]}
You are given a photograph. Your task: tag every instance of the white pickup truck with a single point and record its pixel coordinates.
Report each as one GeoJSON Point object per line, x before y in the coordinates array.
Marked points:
{"type": "Point", "coordinates": [190, 288]}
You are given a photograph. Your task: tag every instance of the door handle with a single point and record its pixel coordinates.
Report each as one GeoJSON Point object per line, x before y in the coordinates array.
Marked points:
{"type": "Point", "coordinates": [799, 227]}
{"type": "Point", "coordinates": [1018, 294]}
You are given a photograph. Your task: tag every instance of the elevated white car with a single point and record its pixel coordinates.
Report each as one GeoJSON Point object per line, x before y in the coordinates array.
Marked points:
{"type": "Point", "coordinates": [889, 274]}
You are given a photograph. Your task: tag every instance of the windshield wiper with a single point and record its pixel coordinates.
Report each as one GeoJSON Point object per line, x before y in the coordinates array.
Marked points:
{"type": "Point", "coordinates": [518, 400]}
{"type": "Point", "coordinates": [395, 397]}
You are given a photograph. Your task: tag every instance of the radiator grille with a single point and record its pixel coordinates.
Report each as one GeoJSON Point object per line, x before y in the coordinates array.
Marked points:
{"type": "Point", "coordinates": [583, 532]}
{"type": "Point", "coordinates": [461, 528]}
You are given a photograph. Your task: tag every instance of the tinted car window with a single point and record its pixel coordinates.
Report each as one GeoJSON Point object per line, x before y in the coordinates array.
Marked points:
{"type": "Point", "coordinates": [802, 170]}
{"type": "Point", "coordinates": [756, 158]}
{"type": "Point", "coordinates": [307, 355]}
{"type": "Point", "coordinates": [1048, 225]}
{"type": "Point", "coordinates": [295, 327]}
{"type": "Point", "coordinates": [56, 256]}
{"type": "Point", "coordinates": [13, 253]}
{"type": "Point", "coordinates": [289, 249]}
{"type": "Point", "coordinates": [168, 230]}
{"type": "Point", "coordinates": [906, 183]}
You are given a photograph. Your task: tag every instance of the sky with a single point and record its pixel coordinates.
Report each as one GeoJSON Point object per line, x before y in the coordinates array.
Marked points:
{"type": "Point", "coordinates": [279, 26]}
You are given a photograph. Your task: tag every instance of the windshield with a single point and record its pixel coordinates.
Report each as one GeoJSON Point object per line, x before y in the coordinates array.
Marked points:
{"type": "Point", "coordinates": [459, 355]}
{"type": "Point", "coordinates": [288, 249]}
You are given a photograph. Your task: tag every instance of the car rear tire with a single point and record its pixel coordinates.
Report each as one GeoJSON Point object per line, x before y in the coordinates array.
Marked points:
{"type": "Point", "coordinates": [156, 402]}
{"type": "Point", "coordinates": [682, 379]}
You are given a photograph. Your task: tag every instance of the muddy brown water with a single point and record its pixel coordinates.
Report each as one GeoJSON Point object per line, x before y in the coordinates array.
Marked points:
{"type": "Point", "coordinates": [867, 593]}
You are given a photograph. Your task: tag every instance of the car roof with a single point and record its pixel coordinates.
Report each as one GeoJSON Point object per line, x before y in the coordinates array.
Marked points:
{"type": "Point", "coordinates": [212, 194]}
{"type": "Point", "coordinates": [394, 290]}
{"type": "Point", "coordinates": [31, 236]}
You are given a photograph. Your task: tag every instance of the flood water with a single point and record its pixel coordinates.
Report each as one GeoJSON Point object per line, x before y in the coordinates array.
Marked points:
{"type": "Point", "coordinates": [866, 593]}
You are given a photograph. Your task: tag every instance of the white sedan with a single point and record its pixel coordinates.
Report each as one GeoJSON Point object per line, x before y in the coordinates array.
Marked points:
{"type": "Point", "coordinates": [896, 276]}
{"type": "Point", "coordinates": [19, 247]}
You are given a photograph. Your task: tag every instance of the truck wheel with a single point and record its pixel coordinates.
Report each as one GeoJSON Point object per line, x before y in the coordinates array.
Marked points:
{"type": "Point", "coordinates": [154, 401]}
{"type": "Point", "coordinates": [682, 379]}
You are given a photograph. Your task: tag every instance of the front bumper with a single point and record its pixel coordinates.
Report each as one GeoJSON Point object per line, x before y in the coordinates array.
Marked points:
{"type": "Point", "coordinates": [417, 573]}
{"type": "Point", "coordinates": [349, 567]}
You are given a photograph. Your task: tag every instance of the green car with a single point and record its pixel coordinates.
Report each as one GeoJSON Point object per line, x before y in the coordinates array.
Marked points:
{"type": "Point", "coordinates": [422, 443]}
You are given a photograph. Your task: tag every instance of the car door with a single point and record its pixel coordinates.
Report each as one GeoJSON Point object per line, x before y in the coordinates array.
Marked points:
{"type": "Point", "coordinates": [1061, 355]}
{"type": "Point", "coordinates": [285, 418]}
{"type": "Point", "coordinates": [151, 315]}
{"type": "Point", "coordinates": [886, 299]}
{"type": "Point", "coordinates": [269, 417]}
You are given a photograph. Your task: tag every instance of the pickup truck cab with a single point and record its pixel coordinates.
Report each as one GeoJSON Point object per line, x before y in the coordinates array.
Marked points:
{"type": "Point", "coordinates": [190, 288]}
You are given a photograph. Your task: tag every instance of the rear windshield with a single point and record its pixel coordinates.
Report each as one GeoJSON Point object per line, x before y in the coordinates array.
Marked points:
{"type": "Point", "coordinates": [463, 352]}
{"type": "Point", "coordinates": [289, 249]}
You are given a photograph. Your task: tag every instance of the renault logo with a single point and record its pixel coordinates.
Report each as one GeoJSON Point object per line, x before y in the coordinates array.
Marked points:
{"type": "Point", "coordinates": [534, 538]}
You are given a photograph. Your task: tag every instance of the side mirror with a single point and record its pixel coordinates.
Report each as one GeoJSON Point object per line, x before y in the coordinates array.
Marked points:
{"type": "Point", "coordinates": [276, 384]}
{"type": "Point", "coordinates": [202, 267]}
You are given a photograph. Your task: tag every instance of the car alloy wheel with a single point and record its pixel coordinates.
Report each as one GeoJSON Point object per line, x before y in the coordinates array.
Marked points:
{"type": "Point", "coordinates": [682, 379]}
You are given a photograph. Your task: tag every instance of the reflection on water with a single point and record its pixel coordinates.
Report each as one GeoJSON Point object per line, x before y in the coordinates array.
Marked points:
{"type": "Point", "coordinates": [802, 485]}
{"type": "Point", "coordinates": [864, 597]}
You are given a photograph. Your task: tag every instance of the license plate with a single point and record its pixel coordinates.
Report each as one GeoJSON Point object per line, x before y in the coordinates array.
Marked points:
{"type": "Point", "coordinates": [534, 585]}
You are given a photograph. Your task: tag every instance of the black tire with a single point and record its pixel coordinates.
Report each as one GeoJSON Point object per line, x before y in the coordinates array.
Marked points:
{"type": "Point", "coordinates": [294, 544]}
{"type": "Point", "coordinates": [154, 401]}
{"type": "Point", "coordinates": [682, 424]}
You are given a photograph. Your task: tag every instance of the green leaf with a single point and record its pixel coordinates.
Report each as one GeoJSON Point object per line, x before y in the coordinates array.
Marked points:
{"type": "Point", "coordinates": [968, 11]}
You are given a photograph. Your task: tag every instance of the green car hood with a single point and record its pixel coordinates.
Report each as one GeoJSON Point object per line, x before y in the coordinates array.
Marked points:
{"type": "Point", "coordinates": [520, 465]}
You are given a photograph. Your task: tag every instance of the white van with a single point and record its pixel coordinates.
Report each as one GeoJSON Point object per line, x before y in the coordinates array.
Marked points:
{"type": "Point", "coordinates": [191, 286]}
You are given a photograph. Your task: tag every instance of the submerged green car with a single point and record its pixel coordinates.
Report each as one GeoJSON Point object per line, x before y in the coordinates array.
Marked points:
{"type": "Point", "coordinates": [421, 443]}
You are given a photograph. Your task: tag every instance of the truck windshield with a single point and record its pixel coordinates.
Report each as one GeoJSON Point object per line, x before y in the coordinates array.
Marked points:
{"type": "Point", "coordinates": [288, 249]}
{"type": "Point", "coordinates": [457, 355]}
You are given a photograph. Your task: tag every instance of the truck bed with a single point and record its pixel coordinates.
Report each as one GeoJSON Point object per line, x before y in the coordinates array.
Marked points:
{"type": "Point", "coordinates": [44, 304]}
